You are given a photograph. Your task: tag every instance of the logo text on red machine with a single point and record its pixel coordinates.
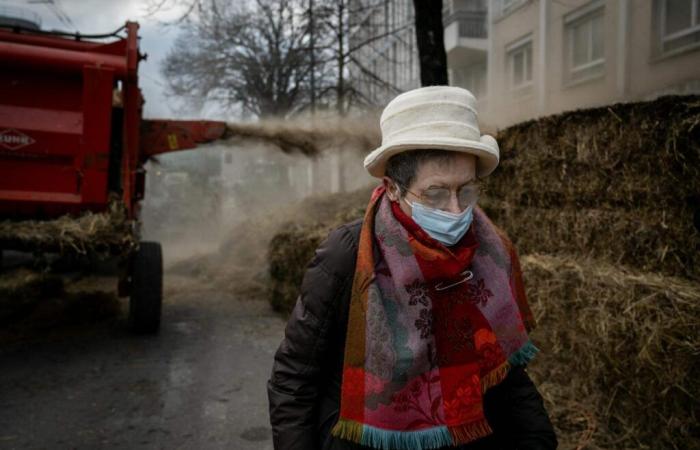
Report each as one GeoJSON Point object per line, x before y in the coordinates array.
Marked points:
{"type": "Point", "coordinates": [13, 139]}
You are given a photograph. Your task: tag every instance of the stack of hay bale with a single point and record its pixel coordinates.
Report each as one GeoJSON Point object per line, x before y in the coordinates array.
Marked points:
{"type": "Point", "coordinates": [619, 182]}
{"type": "Point", "coordinates": [603, 205]}
{"type": "Point", "coordinates": [290, 250]}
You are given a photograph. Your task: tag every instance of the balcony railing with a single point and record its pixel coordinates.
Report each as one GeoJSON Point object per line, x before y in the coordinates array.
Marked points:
{"type": "Point", "coordinates": [470, 24]}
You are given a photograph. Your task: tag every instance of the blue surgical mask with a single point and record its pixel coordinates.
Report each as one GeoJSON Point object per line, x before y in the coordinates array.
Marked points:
{"type": "Point", "coordinates": [443, 226]}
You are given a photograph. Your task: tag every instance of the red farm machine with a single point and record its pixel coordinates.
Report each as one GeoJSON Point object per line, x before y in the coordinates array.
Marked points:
{"type": "Point", "coordinates": [73, 140]}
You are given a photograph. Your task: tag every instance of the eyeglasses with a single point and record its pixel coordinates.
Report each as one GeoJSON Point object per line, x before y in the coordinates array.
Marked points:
{"type": "Point", "coordinates": [436, 197]}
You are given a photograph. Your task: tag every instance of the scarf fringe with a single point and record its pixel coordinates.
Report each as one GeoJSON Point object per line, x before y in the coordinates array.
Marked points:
{"type": "Point", "coordinates": [519, 358]}
{"type": "Point", "coordinates": [524, 354]}
{"type": "Point", "coordinates": [495, 376]}
{"type": "Point", "coordinates": [348, 430]}
{"type": "Point", "coordinates": [436, 437]}
{"type": "Point", "coordinates": [466, 433]}
{"type": "Point", "coordinates": [378, 438]}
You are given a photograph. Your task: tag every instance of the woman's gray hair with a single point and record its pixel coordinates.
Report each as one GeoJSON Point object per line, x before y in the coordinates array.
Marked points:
{"type": "Point", "coordinates": [403, 167]}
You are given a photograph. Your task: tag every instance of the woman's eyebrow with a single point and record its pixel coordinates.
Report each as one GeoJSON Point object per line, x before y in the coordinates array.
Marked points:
{"type": "Point", "coordinates": [472, 181]}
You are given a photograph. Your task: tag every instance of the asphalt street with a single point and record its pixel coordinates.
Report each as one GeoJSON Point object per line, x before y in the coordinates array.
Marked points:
{"type": "Point", "coordinates": [199, 384]}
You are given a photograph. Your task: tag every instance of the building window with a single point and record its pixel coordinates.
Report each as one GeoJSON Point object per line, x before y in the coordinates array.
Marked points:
{"type": "Point", "coordinates": [519, 55]}
{"type": "Point", "coordinates": [679, 24]}
{"type": "Point", "coordinates": [472, 26]}
{"type": "Point", "coordinates": [471, 17]}
{"type": "Point", "coordinates": [506, 7]}
{"type": "Point", "coordinates": [585, 34]}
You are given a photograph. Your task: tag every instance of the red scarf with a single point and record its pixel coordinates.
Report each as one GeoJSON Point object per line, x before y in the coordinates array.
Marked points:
{"type": "Point", "coordinates": [430, 329]}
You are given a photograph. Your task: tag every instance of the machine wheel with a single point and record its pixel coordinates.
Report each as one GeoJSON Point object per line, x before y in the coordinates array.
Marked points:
{"type": "Point", "coordinates": [146, 288]}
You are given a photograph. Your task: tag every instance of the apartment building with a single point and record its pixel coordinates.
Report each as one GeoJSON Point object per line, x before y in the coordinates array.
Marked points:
{"type": "Point", "coordinates": [521, 59]}
{"type": "Point", "coordinates": [385, 60]}
{"type": "Point", "coordinates": [467, 44]}
{"type": "Point", "coordinates": [549, 56]}
{"type": "Point", "coordinates": [527, 58]}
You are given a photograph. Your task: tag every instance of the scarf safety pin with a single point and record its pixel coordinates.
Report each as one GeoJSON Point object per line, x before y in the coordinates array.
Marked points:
{"type": "Point", "coordinates": [468, 277]}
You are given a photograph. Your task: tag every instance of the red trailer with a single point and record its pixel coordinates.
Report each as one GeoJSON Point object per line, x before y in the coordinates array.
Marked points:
{"type": "Point", "coordinates": [72, 136]}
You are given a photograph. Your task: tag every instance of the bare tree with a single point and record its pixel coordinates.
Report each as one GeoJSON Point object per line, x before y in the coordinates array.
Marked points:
{"type": "Point", "coordinates": [273, 56]}
{"type": "Point", "coordinates": [334, 47]}
{"type": "Point", "coordinates": [255, 57]}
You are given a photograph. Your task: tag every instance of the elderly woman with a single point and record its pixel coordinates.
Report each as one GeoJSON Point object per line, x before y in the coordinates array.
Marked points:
{"type": "Point", "coordinates": [411, 329]}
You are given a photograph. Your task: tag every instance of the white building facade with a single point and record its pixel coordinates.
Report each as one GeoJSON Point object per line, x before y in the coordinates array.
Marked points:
{"type": "Point", "coordinates": [528, 58]}
{"type": "Point", "coordinates": [549, 56]}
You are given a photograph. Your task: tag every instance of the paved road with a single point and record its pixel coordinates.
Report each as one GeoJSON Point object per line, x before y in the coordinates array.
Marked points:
{"type": "Point", "coordinates": [199, 384]}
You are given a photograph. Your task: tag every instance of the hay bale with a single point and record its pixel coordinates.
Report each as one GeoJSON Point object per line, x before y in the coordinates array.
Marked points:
{"type": "Point", "coordinates": [664, 241]}
{"type": "Point", "coordinates": [654, 143]}
{"type": "Point", "coordinates": [289, 255]}
{"type": "Point", "coordinates": [557, 184]}
{"type": "Point", "coordinates": [98, 234]}
{"type": "Point", "coordinates": [621, 353]}
{"type": "Point", "coordinates": [635, 166]}
{"type": "Point", "coordinates": [292, 248]}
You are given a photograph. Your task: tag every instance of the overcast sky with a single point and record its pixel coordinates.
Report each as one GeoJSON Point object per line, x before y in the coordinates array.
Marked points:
{"type": "Point", "coordinates": [103, 16]}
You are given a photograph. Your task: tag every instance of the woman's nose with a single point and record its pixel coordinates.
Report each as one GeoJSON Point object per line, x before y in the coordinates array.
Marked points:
{"type": "Point", "coordinates": [453, 206]}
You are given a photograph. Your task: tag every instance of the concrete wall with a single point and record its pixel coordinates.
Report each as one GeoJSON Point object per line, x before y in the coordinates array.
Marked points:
{"type": "Point", "coordinates": [651, 74]}
{"type": "Point", "coordinates": [633, 68]}
{"type": "Point", "coordinates": [504, 105]}
{"type": "Point", "coordinates": [562, 94]}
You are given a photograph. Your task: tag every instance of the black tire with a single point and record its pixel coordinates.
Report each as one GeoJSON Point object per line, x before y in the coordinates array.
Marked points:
{"type": "Point", "coordinates": [146, 288]}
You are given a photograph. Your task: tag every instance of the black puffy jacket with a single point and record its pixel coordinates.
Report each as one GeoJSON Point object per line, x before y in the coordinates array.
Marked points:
{"type": "Point", "coordinates": [304, 388]}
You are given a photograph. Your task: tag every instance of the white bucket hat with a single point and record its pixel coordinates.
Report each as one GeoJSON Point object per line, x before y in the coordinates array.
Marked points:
{"type": "Point", "coordinates": [434, 117]}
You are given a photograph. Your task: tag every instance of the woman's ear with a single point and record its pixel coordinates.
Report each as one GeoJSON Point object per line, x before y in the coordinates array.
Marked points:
{"type": "Point", "coordinates": [392, 190]}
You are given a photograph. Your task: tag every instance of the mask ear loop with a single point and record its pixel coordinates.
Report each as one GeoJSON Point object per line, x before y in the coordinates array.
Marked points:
{"type": "Point", "coordinates": [402, 197]}
{"type": "Point", "coordinates": [438, 286]}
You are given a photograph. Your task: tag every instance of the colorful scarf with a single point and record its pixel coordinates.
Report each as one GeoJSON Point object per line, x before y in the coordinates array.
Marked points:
{"type": "Point", "coordinates": [426, 337]}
